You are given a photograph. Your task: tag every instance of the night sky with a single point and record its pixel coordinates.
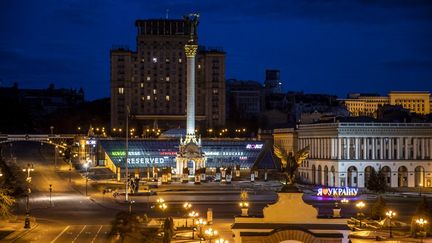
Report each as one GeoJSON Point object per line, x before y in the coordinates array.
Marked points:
{"type": "Point", "coordinates": [331, 47]}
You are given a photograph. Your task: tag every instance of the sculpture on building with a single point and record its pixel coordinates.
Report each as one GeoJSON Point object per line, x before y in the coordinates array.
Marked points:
{"type": "Point", "coordinates": [192, 20]}
{"type": "Point", "coordinates": [290, 163]}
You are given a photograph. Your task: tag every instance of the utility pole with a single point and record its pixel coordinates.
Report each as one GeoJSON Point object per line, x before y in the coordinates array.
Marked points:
{"type": "Point", "coordinates": [127, 153]}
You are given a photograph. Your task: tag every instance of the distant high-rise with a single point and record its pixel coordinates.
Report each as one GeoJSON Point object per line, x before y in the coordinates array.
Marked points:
{"type": "Point", "coordinates": [272, 83]}
{"type": "Point", "coordinates": [152, 80]}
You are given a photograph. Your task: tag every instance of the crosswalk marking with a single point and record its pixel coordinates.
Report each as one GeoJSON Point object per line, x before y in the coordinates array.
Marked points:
{"type": "Point", "coordinates": [61, 233]}
{"type": "Point", "coordinates": [94, 238]}
{"type": "Point", "coordinates": [79, 233]}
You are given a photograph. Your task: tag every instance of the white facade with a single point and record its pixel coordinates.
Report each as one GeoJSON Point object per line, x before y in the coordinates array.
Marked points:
{"type": "Point", "coordinates": [343, 154]}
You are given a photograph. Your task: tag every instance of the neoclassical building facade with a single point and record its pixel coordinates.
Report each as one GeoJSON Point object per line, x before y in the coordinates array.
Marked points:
{"type": "Point", "coordinates": [344, 154]}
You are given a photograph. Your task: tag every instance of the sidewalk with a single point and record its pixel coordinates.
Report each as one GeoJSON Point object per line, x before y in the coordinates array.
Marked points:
{"type": "Point", "coordinates": [16, 228]}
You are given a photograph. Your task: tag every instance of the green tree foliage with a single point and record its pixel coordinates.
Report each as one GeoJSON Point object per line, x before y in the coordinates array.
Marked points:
{"type": "Point", "coordinates": [129, 227]}
{"type": "Point", "coordinates": [6, 202]}
{"type": "Point", "coordinates": [425, 212]}
{"type": "Point", "coordinates": [168, 229]}
{"type": "Point", "coordinates": [13, 179]}
{"type": "Point", "coordinates": [377, 181]}
{"type": "Point", "coordinates": [377, 211]}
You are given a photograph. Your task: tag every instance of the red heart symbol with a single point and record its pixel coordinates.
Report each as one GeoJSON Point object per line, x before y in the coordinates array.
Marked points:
{"type": "Point", "coordinates": [325, 191]}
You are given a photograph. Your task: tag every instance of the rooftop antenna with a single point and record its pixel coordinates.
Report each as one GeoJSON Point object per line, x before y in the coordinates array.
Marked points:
{"type": "Point", "coordinates": [166, 13]}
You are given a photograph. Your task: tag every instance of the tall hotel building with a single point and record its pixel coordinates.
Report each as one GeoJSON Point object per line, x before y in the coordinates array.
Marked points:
{"type": "Point", "coordinates": [152, 80]}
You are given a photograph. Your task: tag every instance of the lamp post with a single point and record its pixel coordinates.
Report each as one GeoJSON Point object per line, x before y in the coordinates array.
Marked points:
{"type": "Point", "coordinates": [29, 169]}
{"type": "Point", "coordinates": [421, 222]}
{"type": "Point", "coordinates": [187, 206]}
{"type": "Point", "coordinates": [201, 222]}
{"type": "Point", "coordinates": [193, 215]}
{"type": "Point", "coordinates": [360, 205]}
{"type": "Point", "coordinates": [221, 240]}
{"type": "Point", "coordinates": [420, 188]}
{"type": "Point", "coordinates": [244, 208]}
{"type": "Point", "coordinates": [86, 165]}
{"type": "Point", "coordinates": [130, 206]}
{"type": "Point", "coordinates": [50, 191]}
{"type": "Point", "coordinates": [390, 215]}
{"type": "Point", "coordinates": [210, 233]}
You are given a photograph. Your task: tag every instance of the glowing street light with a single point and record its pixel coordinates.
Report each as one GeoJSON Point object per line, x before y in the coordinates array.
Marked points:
{"type": "Point", "coordinates": [244, 208]}
{"type": "Point", "coordinates": [201, 223]}
{"type": "Point", "coordinates": [390, 215]}
{"type": "Point", "coordinates": [221, 240]}
{"type": "Point", "coordinates": [29, 169]}
{"type": "Point", "coordinates": [210, 233]}
{"type": "Point", "coordinates": [193, 215]}
{"type": "Point", "coordinates": [344, 201]}
{"type": "Point", "coordinates": [360, 205]}
{"type": "Point", "coordinates": [421, 222]}
{"type": "Point", "coordinates": [187, 206]}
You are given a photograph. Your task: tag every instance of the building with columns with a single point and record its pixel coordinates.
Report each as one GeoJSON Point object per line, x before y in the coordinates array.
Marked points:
{"type": "Point", "coordinates": [344, 154]}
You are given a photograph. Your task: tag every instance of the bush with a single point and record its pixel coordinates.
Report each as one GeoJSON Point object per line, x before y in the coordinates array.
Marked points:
{"type": "Point", "coordinates": [377, 211]}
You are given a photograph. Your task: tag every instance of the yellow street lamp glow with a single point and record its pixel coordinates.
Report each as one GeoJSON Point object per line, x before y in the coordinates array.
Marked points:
{"type": "Point", "coordinates": [244, 204]}
{"type": "Point", "coordinates": [201, 221]}
{"type": "Point", "coordinates": [163, 206]}
{"type": "Point", "coordinates": [193, 214]}
{"type": "Point", "coordinates": [344, 201]}
{"type": "Point", "coordinates": [221, 240]}
{"type": "Point", "coordinates": [390, 214]}
{"type": "Point", "coordinates": [421, 221]}
{"type": "Point", "coordinates": [360, 205]}
{"type": "Point", "coordinates": [160, 200]}
{"type": "Point", "coordinates": [187, 205]}
{"type": "Point", "coordinates": [210, 232]}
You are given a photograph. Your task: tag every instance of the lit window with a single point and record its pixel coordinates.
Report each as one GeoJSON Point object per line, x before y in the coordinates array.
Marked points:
{"type": "Point", "coordinates": [167, 98]}
{"type": "Point", "coordinates": [199, 66]}
{"type": "Point", "coordinates": [121, 90]}
{"type": "Point", "coordinates": [154, 91]}
{"type": "Point", "coordinates": [180, 60]}
{"type": "Point", "coordinates": [148, 97]}
{"type": "Point", "coordinates": [167, 78]}
{"type": "Point", "coordinates": [148, 78]}
{"type": "Point", "coordinates": [154, 59]}
{"type": "Point", "coordinates": [167, 60]}
{"type": "Point", "coordinates": [142, 85]}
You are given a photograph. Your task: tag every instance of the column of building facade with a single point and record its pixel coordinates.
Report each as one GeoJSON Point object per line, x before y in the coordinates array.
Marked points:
{"type": "Point", "coordinates": [398, 148]}
{"type": "Point", "coordinates": [406, 140]}
{"type": "Point", "coordinates": [390, 148]}
{"type": "Point", "coordinates": [415, 146]}
{"type": "Point", "coordinates": [365, 147]}
{"type": "Point", "coordinates": [373, 148]}
{"type": "Point", "coordinates": [333, 148]}
{"type": "Point", "coordinates": [382, 147]}
{"type": "Point", "coordinates": [357, 148]}
{"type": "Point", "coordinates": [339, 145]}
{"type": "Point", "coordinates": [423, 148]}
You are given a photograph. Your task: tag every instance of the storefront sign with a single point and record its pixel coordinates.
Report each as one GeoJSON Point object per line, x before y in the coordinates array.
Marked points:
{"type": "Point", "coordinates": [337, 192]}
{"type": "Point", "coordinates": [254, 146]}
{"type": "Point", "coordinates": [146, 160]}
{"type": "Point", "coordinates": [123, 153]}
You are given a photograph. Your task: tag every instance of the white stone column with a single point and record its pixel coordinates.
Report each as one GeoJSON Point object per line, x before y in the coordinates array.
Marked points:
{"type": "Point", "coordinates": [357, 148]}
{"type": "Point", "coordinates": [415, 146]}
{"type": "Point", "coordinates": [390, 148]}
{"type": "Point", "coordinates": [190, 51]}
{"type": "Point", "coordinates": [333, 148]}
{"type": "Point", "coordinates": [339, 141]}
{"type": "Point", "coordinates": [373, 148]}
{"type": "Point", "coordinates": [382, 146]}
{"type": "Point", "coordinates": [365, 148]}
{"type": "Point", "coordinates": [399, 148]}
{"type": "Point", "coordinates": [406, 142]}
{"type": "Point", "coordinates": [347, 148]}
{"type": "Point", "coordinates": [423, 148]}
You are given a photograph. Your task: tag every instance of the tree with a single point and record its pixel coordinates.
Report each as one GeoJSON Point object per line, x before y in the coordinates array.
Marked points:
{"type": "Point", "coordinates": [129, 227]}
{"type": "Point", "coordinates": [168, 229]}
{"type": "Point", "coordinates": [6, 202]}
{"type": "Point", "coordinates": [377, 211]}
{"type": "Point", "coordinates": [12, 180]}
{"type": "Point", "coordinates": [423, 211]}
{"type": "Point", "coordinates": [377, 181]}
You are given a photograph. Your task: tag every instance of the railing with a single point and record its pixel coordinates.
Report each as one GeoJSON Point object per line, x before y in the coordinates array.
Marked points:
{"type": "Point", "coordinates": [366, 124]}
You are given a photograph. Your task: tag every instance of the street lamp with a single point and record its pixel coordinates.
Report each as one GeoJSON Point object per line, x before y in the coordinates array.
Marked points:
{"type": "Point", "coordinates": [193, 215]}
{"type": "Point", "coordinates": [244, 208]}
{"type": "Point", "coordinates": [130, 205]}
{"type": "Point", "coordinates": [420, 188]}
{"type": "Point", "coordinates": [210, 233]}
{"type": "Point", "coordinates": [29, 169]}
{"type": "Point", "coordinates": [50, 190]}
{"type": "Point", "coordinates": [201, 222]}
{"type": "Point", "coordinates": [360, 205]}
{"type": "Point", "coordinates": [421, 222]}
{"type": "Point", "coordinates": [221, 240]}
{"type": "Point", "coordinates": [86, 166]}
{"type": "Point", "coordinates": [390, 214]}
{"type": "Point", "coordinates": [187, 206]}
{"type": "Point", "coordinates": [344, 201]}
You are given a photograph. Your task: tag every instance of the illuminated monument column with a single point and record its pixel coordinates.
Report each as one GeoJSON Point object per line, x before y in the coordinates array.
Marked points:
{"type": "Point", "coordinates": [190, 148]}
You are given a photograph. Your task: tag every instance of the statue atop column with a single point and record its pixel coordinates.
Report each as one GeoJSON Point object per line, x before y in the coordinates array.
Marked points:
{"type": "Point", "coordinates": [192, 20]}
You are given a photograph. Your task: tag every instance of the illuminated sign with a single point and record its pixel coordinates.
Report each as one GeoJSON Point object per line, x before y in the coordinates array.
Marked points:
{"type": "Point", "coordinates": [123, 153]}
{"type": "Point", "coordinates": [91, 142]}
{"type": "Point", "coordinates": [254, 146]}
{"type": "Point", "coordinates": [146, 160]}
{"type": "Point", "coordinates": [215, 153]}
{"type": "Point", "coordinates": [337, 192]}
{"type": "Point", "coordinates": [168, 153]}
